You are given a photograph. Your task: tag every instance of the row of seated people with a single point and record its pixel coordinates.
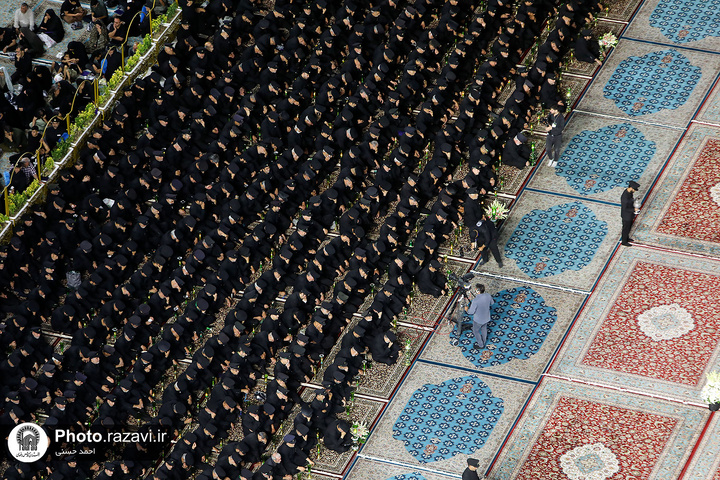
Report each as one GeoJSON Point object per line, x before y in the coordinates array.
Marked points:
{"type": "Point", "coordinates": [96, 158]}
{"type": "Point", "coordinates": [295, 449]}
{"type": "Point", "coordinates": [444, 160]}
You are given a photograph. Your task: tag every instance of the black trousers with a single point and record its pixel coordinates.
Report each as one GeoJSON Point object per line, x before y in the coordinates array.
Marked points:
{"type": "Point", "coordinates": [552, 146]}
{"type": "Point", "coordinates": [626, 225]}
{"type": "Point", "coordinates": [491, 247]}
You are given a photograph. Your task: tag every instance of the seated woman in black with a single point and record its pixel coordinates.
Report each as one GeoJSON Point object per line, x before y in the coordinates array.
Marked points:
{"type": "Point", "coordinates": [52, 26]}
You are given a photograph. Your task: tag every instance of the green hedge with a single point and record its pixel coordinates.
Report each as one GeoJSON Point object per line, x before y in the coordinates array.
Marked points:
{"type": "Point", "coordinates": [17, 200]}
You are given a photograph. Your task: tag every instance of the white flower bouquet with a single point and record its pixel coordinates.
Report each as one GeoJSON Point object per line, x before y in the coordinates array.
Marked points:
{"type": "Point", "coordinates": [711, 391]}
{"type": "Point", "coordinates": [607, 41]}
{"type": "Point", "coordinates": [497, 211]}
{"type": "Point", "coordinates": [360, 432]}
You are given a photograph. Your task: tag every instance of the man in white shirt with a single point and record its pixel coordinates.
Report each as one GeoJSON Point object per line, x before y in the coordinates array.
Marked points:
{"type": "Point", "coordinates": [24, 17]}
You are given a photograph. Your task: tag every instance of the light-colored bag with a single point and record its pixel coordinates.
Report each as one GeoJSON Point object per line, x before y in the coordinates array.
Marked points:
{"type": "Point", "coordinates": [49, 42]}
{"type": "Point", "coordinates": [73, 279]}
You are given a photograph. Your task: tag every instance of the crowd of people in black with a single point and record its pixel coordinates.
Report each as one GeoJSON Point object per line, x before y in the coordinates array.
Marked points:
{"type": "Point", "coordinates": [36, 98]}
{"type": "Point", "coordinates": [319, 152]}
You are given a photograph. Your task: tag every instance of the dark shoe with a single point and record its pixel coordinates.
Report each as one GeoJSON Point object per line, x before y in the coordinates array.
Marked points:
{"type": "Point", "coordinates": [631, 239]}
{"type": "Point", "coordinates": [626, 244]}
{"type": "Point", "coordinates": [477, 347]}
{"type": "Point", "coordinates": [500, 264]}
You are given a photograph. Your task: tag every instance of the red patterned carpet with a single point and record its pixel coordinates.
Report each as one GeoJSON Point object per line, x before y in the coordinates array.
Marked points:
{"type": "Point", "coordinates": [665, 324]}
{"type": "Point", "coordinates": [583, 438]}
{"type": "Point", "coordinates": [695, 211]}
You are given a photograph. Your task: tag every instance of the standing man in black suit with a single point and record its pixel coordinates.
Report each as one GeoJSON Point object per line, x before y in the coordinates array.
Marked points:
{"type": "Point", "coordinates": [628, 211]}
{"type": "Point", "coordinates": [556, 124]}
{"type": "Point", "coordinates": [485, 236]}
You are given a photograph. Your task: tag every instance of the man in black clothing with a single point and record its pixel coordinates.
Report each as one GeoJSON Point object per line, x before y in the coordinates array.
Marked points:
{"type": "Point", "coordinates": [430, 279]}
{"type": "Point", "coordinates": [516, 153]}
{"type": "Point", "coordinates": [549, 94]}
{"type": "Point", "coordinates": [587, 48]}
{"type": "Point", "coordinates": [486, 235]}
{"type": "Point", "coordinates": [385, 348]}
{"type": "Point", "coordinates": [18, 180]}
{"type": "Point", "coordinates": [556, 124]}
{"type": "Point", "coordinates": [470, 472]}
{"type": "Point", "coordinates": [628, 211]}
{"type": "Point", "coordinates": [337, 436]}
